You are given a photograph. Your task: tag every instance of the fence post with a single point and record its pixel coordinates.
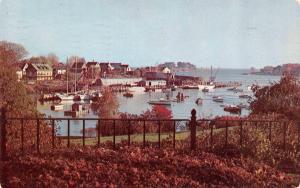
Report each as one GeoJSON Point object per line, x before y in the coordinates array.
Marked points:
{"type": "Point", "coordinates": [193, 129]}
{"type": "Point", "coordinates": [3, 135]}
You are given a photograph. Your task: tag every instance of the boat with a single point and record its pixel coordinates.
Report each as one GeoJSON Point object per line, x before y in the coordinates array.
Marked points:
{"type": "Point", "coordinates": [199, 101]}
{"type": "Point", "coordinates": [235, 89]}
{"type": "Point", "coordinates": [173, 88]}
{"type": "Point", "coordinates": [64, 97]}
{"type": "Point", "coordinates": [128, 94]}
{"type": "Point", "coordinates": [205, 90]}
{"type": "Point", "coordinates": [57, 107]}
{"type": "Point", "coordinates": [209, 86]}
{"type": "Point", "coordinates": [241, 105]}
{"type": "Point", "coordinates": [244, 96]}
{"type": "Point", "coordinates": [136, 90]}
{"type": "Point", "coordinates": [85, 97]}
{"type": "Point", "coordinates": [218, 99]}
{"type": "Point", "coordinates": [233, 109]}
{"type": "Point", "coordinates": [161, 101]}
{"type": "Point", "coordinates": [190, 87]}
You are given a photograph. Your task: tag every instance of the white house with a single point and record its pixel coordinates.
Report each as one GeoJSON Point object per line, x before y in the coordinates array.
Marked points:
{"type": "Point", "coordinates": [166, 70]}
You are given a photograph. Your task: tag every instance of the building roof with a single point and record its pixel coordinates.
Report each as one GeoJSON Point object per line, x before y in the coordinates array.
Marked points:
{"type": "Point", "coordinates": [156, 76]}
{"type": "Point", "coordinates": [41, 67]}
{"type": "Point", "coordinates": [78, 65]}
{"type": "Point", "coordinates": [92, 63]}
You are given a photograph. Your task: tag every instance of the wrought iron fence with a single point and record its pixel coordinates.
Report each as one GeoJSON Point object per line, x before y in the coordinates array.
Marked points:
{"type": "Point", "coordinates": [202, 133]}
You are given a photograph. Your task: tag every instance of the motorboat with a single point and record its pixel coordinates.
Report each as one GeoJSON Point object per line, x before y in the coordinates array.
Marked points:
{"type": "Point", "coordinates": [235, 89]}
{"type": "Point", "coordinates": [205, 90]}
{"type": "Point", "coordinates": [199, 101]}
{"type": "Point", "coordinates": [136, 90]}
{"type": "Point", "coordinates": [128, 94]}
{"type": "Point", "coordinates": [161, 101]}
{"type": "Point", "coordinates": [65, 96]}
{"type": "Point", "coordinates": [241, 105]}
{"type": "Point", "coordinates": [233, 109]}
{"type": "Point", "coordinates": [209, 86]}
{"type": "Point", "coordinates": [218, 99]}
{"type": "Point", "coordinates": [57, 107]}
{"type": "Point", "coordinates": [190, 87]}
{"type": "Point", "coordinates": [244, 96]}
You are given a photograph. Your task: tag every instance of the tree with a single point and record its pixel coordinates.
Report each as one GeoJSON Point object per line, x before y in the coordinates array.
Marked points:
{"type": "Point", "coordinates": [280, 98]}
{"type": "Point", "coordinates": [11, 52]}
{"type": "Point", "coordinates": [53, 59]}
{"type": "Point", "coordinates": [107, 104]}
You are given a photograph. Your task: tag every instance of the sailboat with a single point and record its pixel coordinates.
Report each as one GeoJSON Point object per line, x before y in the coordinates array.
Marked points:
{"type": "Point", "coordinates": [66, 96]}
{"type": "Point", "coordinates": [208, 86]}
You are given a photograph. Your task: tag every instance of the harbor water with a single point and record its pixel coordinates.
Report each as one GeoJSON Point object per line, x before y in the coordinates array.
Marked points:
{"type": "Point", "coordinates": [180, 110]}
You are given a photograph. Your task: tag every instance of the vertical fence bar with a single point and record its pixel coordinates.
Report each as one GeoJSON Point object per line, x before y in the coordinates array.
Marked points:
{"type": "Point", "coordinates": [114, 136]}
{"type": "Point", "coordinates": [299, 135]}
{"type": "Point", "coordinates": [3, 134]}
{"type": "Point", "coordinates": [226, 133]}
{"type": "Point", "coordinates": [98, 133]}
{"type": "Point", "coordinates": [159, 134]}
{"type": "Point", "coordinates": [22, 135]}
{"type": "Point", "coordinates": [83, 132]}
{"type": "Point", "coordinates": [129, 123]}
{"type": "Point", "coordinates": [38, 135]}
{"type": "Point", "coordinates": [144, 134]}
{"type": "Point", "coordinates": [174, 134]}
{"type": "Point", "coordinates": [241, 133]}
{"type": "Point", "coordinates": [193, 124]}
{"type": "Point", "coordinates": [68, 133]}
{"type": "Point", "coordinates": [270, 131]}
{"type": "Point", "coordinates": [53, 133]}
{"type": "Point", "coordinates": [284, 135]}
{"type": "Point", "coordinates": [211, 135]}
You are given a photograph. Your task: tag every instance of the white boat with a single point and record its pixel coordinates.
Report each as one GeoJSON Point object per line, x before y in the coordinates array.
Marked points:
{"type": "Point", "coordinates": [136, 90]}
{"type": "Point", "coordinates": [218, 99]}
{"type": "Point", "coordinates": [57, 107]}
{"type": "Point", "coordinates": [161, 101]}
{"type": "Point", "coordinates": [85, 97]}
{"type": "Point", "coordinates": [65, 97]}
{"type": "Point", "coordinates": [209, 87]}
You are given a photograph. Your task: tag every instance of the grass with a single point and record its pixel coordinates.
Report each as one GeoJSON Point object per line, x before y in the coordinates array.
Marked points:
{"type": "Point", "coordinates": [149, 137]}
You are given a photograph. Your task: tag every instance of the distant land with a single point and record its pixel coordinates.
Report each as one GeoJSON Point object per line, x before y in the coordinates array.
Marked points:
{"type": "Point", "coordinates": [293, 68]}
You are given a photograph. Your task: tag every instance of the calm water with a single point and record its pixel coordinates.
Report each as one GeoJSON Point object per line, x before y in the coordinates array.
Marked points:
{"type": "Point", "coordinates": [209, 108]}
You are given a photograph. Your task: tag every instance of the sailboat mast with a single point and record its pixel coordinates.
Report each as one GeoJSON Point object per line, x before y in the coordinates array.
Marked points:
{"type": "Point", "coordinates": [75, 74]}
{"type": "Point", "coordinates": [67, 77]}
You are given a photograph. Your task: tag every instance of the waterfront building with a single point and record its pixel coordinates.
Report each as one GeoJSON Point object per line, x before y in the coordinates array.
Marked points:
{"type": "Point", "coordinates": [93, 69]}
{"type": "Point", "coordinates": [38, 72]}
{"type": "Point", "coordinates": [59, 70]}
{"type": "Point", "coordinates": [119, 81]}
{"type": "Point", "coordinates": [78, 67]}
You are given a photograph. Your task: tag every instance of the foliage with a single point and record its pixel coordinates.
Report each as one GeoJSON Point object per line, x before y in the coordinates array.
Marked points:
{"type": "Point", "coordinates": [16, 102]}
{"type": "Point", "coordinates": [261, 141]}
{"type": "Point", "coordinates": [107, 105]}
{"type": "Point", "coordinates": [135, 167]}
{"type": "Point", "coordinates": [282, 98]}
{"type": "Point", "coordinates": [122, 126]}
{"type": "Point", "coordinates": [11, 53]}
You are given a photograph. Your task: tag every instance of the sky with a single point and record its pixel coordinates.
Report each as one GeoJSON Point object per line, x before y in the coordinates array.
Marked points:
{"type": "Point", "coordinates": [221, 33]}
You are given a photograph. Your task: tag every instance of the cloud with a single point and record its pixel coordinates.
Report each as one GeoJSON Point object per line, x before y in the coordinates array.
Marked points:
{"type": "Point", "coordinates": [298, 1]}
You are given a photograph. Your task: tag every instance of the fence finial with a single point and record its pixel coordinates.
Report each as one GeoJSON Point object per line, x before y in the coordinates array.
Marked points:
{"type": "Point", "coordinates": [193, 124]}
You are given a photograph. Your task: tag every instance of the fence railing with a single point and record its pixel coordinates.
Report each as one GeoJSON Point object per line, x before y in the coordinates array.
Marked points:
{"type": "Point", "coordinates": [208, 129]}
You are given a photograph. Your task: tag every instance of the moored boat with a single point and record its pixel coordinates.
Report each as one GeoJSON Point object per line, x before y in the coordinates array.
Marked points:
{"type": "Point", "coordinates": [218, 99]}
{"type": "Point", "coordinates": [128, 94]}
{"type": "Point", "coordinates": [161, 101]}
{"type": "Point", "coordinates": [233, 109]}
{"type": "Point", "coordinates": [199, 101]}
{"type": "Point", "coordinates": [57, 107]}
{"type": "Point", "coordinates": [65, 96]}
